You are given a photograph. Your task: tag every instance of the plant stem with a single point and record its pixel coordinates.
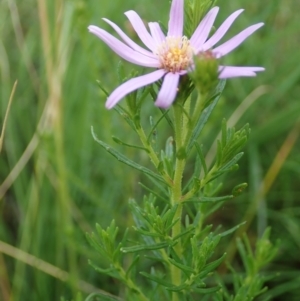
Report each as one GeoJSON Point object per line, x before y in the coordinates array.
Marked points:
{"type": "Point", "coordinates": [176, 193]}
{"type": "Point", "coordinates": [195, 116]}
{"type": "Point", "coordinates": [130, 284]}
{"type": "Point", "coordinates": [176, 230]}
{"type": "Point", "coordinates": [203, 182]}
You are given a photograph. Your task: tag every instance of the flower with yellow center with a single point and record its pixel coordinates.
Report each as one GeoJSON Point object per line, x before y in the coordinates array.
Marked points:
{"type": "Point", "coordinates": [175, 54]}
{"type": "Point", "coordinates": [172, 54]}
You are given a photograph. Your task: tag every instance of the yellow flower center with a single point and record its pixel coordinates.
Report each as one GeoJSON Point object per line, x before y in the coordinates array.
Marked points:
{"type": "Point", "coordinates": [175, 54]}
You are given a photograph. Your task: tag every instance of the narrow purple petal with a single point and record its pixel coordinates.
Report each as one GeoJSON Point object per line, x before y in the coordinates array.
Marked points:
{"type": "Point", "coordinates": [236, 40]}
{"type": "Point", "coordinates": [132, 85]}
{"type": "Point", "coordinates": [175, 26]}
{"type": "Point", "coordinates": [123, 50]}
{"type": "Point", "coordinates": [202, 31]}
{"type": "Point", "coordinates": [156, 32]}
{"type": "Point", "coordinates": [140, 29]}
{"type": "Point", "coordinates": [168, 90]}
{"type": "Point", "coordinates": [232, 71]}
{"type": "Point", "coordinates": [128, 41]}
{"type": "Point", "coordinates": [219, 34]}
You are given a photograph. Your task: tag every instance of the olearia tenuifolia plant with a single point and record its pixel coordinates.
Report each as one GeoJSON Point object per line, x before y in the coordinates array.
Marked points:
{"type": "Point", "coordinates": [174, 254]}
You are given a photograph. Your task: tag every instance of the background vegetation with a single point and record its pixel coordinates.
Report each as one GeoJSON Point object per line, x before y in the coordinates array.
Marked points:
{"type": "Point", "coordinates": [56, 182]}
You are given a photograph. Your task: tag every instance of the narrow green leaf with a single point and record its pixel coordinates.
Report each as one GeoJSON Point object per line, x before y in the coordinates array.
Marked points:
{"type": "Point", "coordinates": [214, 208]}
{"type": "Point", "coordinates": [142, 94]}
{"type": "Point", "coordinates": [99, 229]}
{"type": "Point", "coordinates": [173, 223]}
{"type": "Point", "coordinates": [211, 266]}
{"type": "Point", "coordinates": [224, 133]}
{"type": "Point", "coordinates": [169, 215]}
{"type": "Point", "coordinates": [202, 158]}
{"type": "Point", "coordinates": [204, 231]}
{"type": "Point", "coordinates": [124, 239]}
{"type": "Point", "coordinates": [125, 160]}
{"type": "Point", "coordinates": [156, 124]}
{"type": "Point", "coordinates": [102, 88]}
{"type": "Point", "coordinates": [190, 229]}
{"type": "Point", "coordinates": [158, 196]}
{"type": "Point", "coordinates": [232, 149]}
{"type": "Point", "coordinates": [138, 248]}
{"type": "Point", "coordinates": [133, 264]}
{"type": "Point", "coordinates": [206, 290]}
{"type": "Point", "coordinates": [244, 255]}
{"type": "Point", "coordinates": [95, 244]}
{"type": "Point", "coordinates": [117, 140]}
{"type": "Point", "coordinates": [121, 72]}
{"type": "Point", "coordinates": [112, 230]}
{"type": "Point", "coordinates": [232, 229]}
{"type": "Point", "coordinates": [102, 297]}
{"type": "Point", "coordinates": [123, 113]}
{"type": "Point", "coordinates": [248, 246]}
{"type": "Point", "coordinates": [233, 161]}
{"type": "Point", "coordinates": [181, 266]}
{"type": "Point", "coordinates": [159, 185]}
{"type": "Point", "coordinates": [177, 288]}
{"type": "Point", "coordinates": [230, 133]}
{"type": "Point", "coordinates": [147, 233]}
{"type": "Point", "coordinates": [107, 271]}
{"type": "Point", "coordinates": [168, 165]}
{"type": "Point", "coordinates": [222, 171]}
{"type": "Point", "coordinates": [205, 114]}
{"type": "Point", "coordinates": [156, 259]}
{"type": "Point", "coordinates": [203, 199]}
{"type": "Point", "coordinates": [192, 182]}
{"type": "Point", "coordinates": [219, 155]}
{"type": "Point", "coordinates": [173, 254]}
{"type": "Point", "coordinates": [169, 120]}
{"type": "Point", "coordinates": [139, 217]}
{"type": "Point", "coordinates": [156, 279]}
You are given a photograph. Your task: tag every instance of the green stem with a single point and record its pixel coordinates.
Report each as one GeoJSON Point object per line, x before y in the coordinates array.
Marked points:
{"type": "Point", "coordinates": [176, 230]}
{"type": "Point", "coordinates": [203, 182]}
{"type": "Point", "coordinates": [195, 117]}
{"type": "Point", "coordinates": [186, 128]}
{"type": "Point", "coordinates": [183, 131]}
{"type": "Point", "coordinates": [176, 192]}
{"type": "Point", "coordinates": [130, 284]}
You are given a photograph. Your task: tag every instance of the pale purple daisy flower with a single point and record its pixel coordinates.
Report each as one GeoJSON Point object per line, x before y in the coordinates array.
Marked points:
{"type": "Point", "coordinates": [172, 55]}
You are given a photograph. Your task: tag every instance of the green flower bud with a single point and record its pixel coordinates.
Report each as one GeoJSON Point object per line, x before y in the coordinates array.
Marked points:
{"type": "Point", "coordinates": [205, 73]}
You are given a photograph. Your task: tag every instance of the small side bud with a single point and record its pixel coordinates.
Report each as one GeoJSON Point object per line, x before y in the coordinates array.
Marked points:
{"type": "Point", "coordinates": [205, 73]}
{"type": "Point", "coordinates": [237, 190]}
{"type": "Point", "coordinates": [170, 148]}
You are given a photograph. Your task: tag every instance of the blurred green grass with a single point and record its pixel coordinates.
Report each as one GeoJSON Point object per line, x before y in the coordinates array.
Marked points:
{"type": "Point", "coordinates": [67, 183]}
